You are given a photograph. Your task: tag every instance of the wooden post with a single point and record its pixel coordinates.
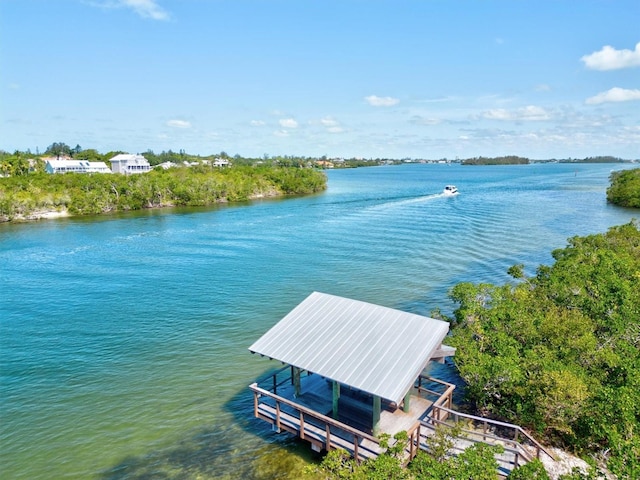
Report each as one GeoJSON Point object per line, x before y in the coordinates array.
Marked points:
{"type": "Point", "coordinates": [301, 425]}
{"type": "Point", "coordinates": [411, 445]}
{"type": "Point", "coordinates": [336, 398]}
{"type": "Point", "coordinates": [376, 415]}
{"type": "Point", "coordinates": [295, 379]}
{"type": "Point", "coordinates": [327, 432]}
{"type": "Point", "coordinates": [355, 449]}
{"type": "Point", "coordinates": [255, 404]}
{"type": "Point", "coordinates": [278, 416]}
{"type": "Point", "coordinates": [407, 400]}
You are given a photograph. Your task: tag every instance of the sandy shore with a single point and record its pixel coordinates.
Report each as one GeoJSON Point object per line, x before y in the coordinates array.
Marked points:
{"type": "Point", "coordinates": [37, 215]}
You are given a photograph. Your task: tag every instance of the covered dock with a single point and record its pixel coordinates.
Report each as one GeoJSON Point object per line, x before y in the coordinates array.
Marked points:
{"type": "Point", "coordinates": [353, 371]}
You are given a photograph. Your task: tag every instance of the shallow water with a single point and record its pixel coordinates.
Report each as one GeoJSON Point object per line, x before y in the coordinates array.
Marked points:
{"type": "Point", "coordinates": [123, 346]}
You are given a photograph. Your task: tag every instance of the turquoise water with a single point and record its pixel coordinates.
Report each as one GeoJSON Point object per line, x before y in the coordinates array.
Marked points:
{"type": "Point", "coordinates": [123, 341]}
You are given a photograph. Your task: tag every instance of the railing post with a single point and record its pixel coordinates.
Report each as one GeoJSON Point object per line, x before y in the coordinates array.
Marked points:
{"type": "Point", "coordinates": [355, 449]}
{"type": "Point", "coordinates": [278, 415]}
{"type": "Point", "coordinates": [327, 431]}
{"type": "Point", "coordinates": [255, 404]}
{"type": "Point", "coordinates": [301, 425]}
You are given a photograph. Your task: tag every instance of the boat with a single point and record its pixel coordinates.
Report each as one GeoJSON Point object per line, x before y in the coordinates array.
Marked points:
{"type": "Point", "coordinates": [450, 190]}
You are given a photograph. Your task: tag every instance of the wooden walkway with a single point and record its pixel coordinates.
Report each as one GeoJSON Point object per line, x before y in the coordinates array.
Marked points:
{"type": "Point", "coordinates": [309, 416]}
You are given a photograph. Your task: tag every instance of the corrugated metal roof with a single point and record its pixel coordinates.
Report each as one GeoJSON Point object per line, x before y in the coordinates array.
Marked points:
{"type": "Point", "coordinates": [375, 349]}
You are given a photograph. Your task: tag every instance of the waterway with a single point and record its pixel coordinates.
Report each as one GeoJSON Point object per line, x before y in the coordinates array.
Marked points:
{"type": "Point", "coordinates": [123, 339]}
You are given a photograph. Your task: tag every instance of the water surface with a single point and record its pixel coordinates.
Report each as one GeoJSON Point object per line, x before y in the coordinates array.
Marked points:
{"type": "Point", "coordinates": [123, 342]}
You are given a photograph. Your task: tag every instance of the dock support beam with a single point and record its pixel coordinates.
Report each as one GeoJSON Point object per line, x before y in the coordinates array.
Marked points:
{"type": "Point", "coordinates": [407, 398]}
{"type": "Point", "coordinates": [336, 397]}
{"type": "Point", "coordinates": [376, 415]}
{"type": "Point", "coordinates": [295, 378]}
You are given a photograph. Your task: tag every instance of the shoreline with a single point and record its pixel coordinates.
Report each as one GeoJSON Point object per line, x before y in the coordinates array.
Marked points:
{"type": "Point", "coordinates": [52, 214]}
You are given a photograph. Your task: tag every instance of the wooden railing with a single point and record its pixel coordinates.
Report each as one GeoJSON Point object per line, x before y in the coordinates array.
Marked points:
{"type": "Point", "coordinates": [512, 437]}
{"type": "Point", "coordinates": [328, 433]}
{"type": "Point", "coordinates": [442, 399]}
{"type": "Point", "coordinates": [307, 424]}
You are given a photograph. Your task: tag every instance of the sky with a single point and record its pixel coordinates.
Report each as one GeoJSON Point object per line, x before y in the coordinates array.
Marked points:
{"type": "Point", "coordinates": [415, 79]}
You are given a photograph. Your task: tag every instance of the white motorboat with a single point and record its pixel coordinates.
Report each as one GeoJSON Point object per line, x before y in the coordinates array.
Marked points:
{"type": "Point", "coordinates": [450, 190]}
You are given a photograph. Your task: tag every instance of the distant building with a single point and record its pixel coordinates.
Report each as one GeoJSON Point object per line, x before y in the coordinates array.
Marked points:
{"type": "Point", "coordinates": [220, 162]}
{"type": "Point", "coordinates": [77, 166]}
{"type": "Point", "coordinates": [127, 163]}
{"type": "Point", "coordinates": [167, 165]}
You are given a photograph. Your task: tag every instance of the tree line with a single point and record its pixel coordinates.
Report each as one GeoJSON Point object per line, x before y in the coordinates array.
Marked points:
{"type": "Point", "coordinates": [82, 194]}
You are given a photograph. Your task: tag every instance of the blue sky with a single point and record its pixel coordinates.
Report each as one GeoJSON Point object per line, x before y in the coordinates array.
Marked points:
{"type": "Point", "coordinates": [351, 78]}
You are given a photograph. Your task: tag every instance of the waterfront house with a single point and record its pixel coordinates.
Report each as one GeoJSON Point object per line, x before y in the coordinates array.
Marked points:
{"type": "Point", "coordinates": [354, 370]}
{"type": "Point", "coordinates": [221, 162]}
{"type": "Point", "coordinates": [78, 166]}
{"type": "Point", "coordinates": [127, 163]}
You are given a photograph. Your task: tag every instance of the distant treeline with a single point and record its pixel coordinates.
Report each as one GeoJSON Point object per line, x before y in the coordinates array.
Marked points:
{"type": "Point", "coordinates": [23, 196]}
{"type": "Point", "coordinates": [508, 160]}
{"type": "Point", "coordinates": [515, 160]}
{"type": "Point", "coordinates": [624, 188]}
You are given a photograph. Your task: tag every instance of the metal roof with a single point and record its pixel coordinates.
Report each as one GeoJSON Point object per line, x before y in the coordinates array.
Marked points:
{"type": "Point", "coordinates": [375, 349]}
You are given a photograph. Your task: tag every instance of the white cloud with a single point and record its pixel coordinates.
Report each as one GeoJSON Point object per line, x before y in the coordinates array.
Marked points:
{"type": "Point", "coordinates": [329, 122]}
{"type": "Point", "coordinates": [331, 125]}
{"type": "Point", "coordinates": [288, 123]}
{"type": "Point", "coordinates": [420, 120]}
{"type": "Point", "coordinates": [529, 113]}
{"type": "Point", "coordinates": [611, 59]}
{"type": "Point", "coordinates": [615, 94]}
{"type": "Point", "coordinates": [257, 123]}
{"type": "Point", "coordinates": [281, 133]}
{"type": "Point", "coordinates": [376, 101]}
{"type": "Point", "coordinates": [179, 124]}
{"type": "Point", "coordinates": [144, 8]}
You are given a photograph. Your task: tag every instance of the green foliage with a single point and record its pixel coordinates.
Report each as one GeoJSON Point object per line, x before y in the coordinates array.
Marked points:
{"type": "Point", "coordinates": [560, 352]}
{"type": "Point", "coordinates": [506, 160]}
{"type": "Point", "coordinates": [624, 188]}
{"type": "Point", "coordinates": [439, 463]}
{"type": "Point", "coordinates": [533, 470]}
{"type": "Point", "coordinates": [600, 159]}
{"type": "Point", "coordinates": [59, 149]}
{"type": "Point", "coordinates": [476, 462]}
{"type": "Point", "coordinates": [202, 185]}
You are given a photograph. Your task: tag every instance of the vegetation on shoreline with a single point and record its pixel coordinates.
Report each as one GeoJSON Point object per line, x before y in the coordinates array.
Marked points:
{"type": "Point", "coordinates": [560, 352]}
{"type": "Point", "coordinates": [624, 188]}
{"type": "Point", "coordinates": [508, 160]}
{"type": "Point", "coordinates": [515, 160]}
{"type": "Point", "coordinates": [82, 194]}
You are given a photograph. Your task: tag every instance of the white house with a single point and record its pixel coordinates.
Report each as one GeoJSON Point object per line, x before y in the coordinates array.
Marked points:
{"type": "Point", "coordinates": [78, 166]}
{"type": "Point", "coordinates": [221, 162]}
{"type": "Point", "coordinates": [127, 163]}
